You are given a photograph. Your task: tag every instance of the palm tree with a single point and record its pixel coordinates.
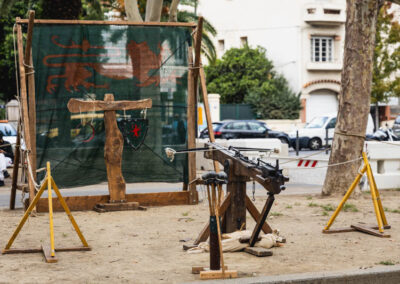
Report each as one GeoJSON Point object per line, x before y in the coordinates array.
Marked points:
{"type": "Point", "coordinates": [171, 12]}
{"type": "Point", "coordinates": [207, 46]}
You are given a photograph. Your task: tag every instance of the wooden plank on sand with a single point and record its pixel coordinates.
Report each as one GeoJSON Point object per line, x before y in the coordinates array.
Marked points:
{"type": "Point", "coordinates": [83, 203]}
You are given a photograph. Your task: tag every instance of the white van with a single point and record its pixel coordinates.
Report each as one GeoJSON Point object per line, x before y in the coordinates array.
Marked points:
{"type": "Point", "coordinates": [313, 135]}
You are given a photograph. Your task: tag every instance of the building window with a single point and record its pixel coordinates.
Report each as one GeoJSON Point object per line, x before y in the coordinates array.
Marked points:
{"type": "Point", "coordinates": [321, 49]}
{"type": "Point", "coordinates": [221, 45]}
{"type": "Point", "coordinates": [332, 11]}
{"type": "Point", "coordinates": [243, 41]}
{"type": "Point", "coordinates": [311, 10]}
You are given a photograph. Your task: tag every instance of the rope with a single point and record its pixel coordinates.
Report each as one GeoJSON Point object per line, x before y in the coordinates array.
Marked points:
{"type": "Point", "coordinates": [350, 134]}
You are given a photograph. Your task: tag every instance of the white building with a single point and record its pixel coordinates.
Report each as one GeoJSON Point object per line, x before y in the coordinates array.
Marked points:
{"type": "Point", "coordinates": [304, 39]}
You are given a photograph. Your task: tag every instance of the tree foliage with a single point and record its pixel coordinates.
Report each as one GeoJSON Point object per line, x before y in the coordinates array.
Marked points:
{"type": "Point", "coordinates": [246, 75]}
{"type": "Point", "coordinates": [10, 9]}
{"type": "Point", "coordinates": [386, 65]}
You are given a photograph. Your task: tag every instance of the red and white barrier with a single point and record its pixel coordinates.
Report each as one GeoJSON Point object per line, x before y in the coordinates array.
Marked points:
{"type": "Point", "coordinates": [307, 163]}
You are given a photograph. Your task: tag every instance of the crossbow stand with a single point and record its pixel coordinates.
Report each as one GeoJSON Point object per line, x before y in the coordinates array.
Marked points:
{"type": "Point", "coordinates": [113, 147]}
{"type": "Point", "coordinates": [233, 208]}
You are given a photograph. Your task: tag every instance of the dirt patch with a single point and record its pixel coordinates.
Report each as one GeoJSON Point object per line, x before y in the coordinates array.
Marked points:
{"type": "Point", "coordinates": [145, 247]}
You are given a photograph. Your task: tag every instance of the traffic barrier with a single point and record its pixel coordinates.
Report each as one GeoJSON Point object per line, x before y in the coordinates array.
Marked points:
{"type": "Point", "coordinates": [307, 163]}
{"type": "Point", "coordinates": [384, 158]}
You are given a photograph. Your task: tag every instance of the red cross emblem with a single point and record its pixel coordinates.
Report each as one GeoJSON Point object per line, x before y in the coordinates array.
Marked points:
{"type": "Point", "coordinates": [135, 130]}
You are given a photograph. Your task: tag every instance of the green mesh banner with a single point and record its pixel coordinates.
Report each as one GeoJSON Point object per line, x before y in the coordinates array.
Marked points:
{"type": "Point", "coordinates": [131, 62]}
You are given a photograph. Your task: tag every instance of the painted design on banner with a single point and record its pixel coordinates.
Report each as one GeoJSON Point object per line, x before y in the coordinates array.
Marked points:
{"type": "Point", "coordinates": [78, 73]}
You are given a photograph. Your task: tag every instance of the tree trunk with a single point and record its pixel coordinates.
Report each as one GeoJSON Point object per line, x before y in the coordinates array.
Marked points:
{"type": "Point", "coordinates": [153, 10]}
{"type": "Point", "coordinates": [173, 11]}
{"type": "Point", "coordinates": [354, 100]}
{"type": "Point", "coordinates": [132, 11]}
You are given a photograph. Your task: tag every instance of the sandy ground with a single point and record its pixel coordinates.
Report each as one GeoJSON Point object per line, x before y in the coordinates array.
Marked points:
{"type": "Point", "coordinates": [146, 247]}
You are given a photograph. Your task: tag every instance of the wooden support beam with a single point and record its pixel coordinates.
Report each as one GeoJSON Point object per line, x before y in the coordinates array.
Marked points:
{"type": "Point", "coordinates": [197, 51]}
{"type": "Point", "coordinates": [205, 232]}
{"type": "Point", "coordinates": [24, 103]}
{"type": "Point", "coordinates": [256, 215]}
{"type": "Point", "coordinates": [218, 274]}
{"type": "Point", "coordinates": [84, 203]}
{"type": "Point", "coordinates": [370, 231]}
{"type": "Point", "coordinates": [235, 215]}
{"type": "Point", "coordinates": [16, 167]}
{"type": "Point", "coordinates": [30, 74]}
{"type": "Point", "coordinates": [47, 254]}
{"type": "Point", "coordinates": [114, 23]}
{"type": "Point", "coordinates": [258, 251]}
{"type": "Point", "coordinates": [207, 111]}
{"type": "Point", "coordinates": [191, 129]}
{"type": "Point", "coordinates": [78, 105]}
{"type": "Point", "coordinates": [36, 250]}
{"type": "Point", "coordinates": [261, 219]}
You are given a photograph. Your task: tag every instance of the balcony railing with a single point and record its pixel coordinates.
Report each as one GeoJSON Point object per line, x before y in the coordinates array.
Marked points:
{"type": "Point", "coordinates": [325, 66]}
{"type": "Point", "coordinates": [320, 15]}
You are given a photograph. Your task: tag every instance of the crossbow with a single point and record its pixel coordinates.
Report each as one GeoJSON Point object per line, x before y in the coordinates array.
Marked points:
{"type": "Point", "coordinates": [269, 176]}
{"type": "Point", "coordinates": [239, 168]}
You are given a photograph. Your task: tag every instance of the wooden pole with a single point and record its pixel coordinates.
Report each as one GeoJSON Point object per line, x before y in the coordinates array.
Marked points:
{"type": "Point", "coordinates": [16, 167]}
{"type": "Point", "coordinates": [200, 71]}
{"type": "Point", "coordinates": [123, 23]}
{"type": "Point", "coordinates": [197, 51]}
{"type": "Point", "coordinates": [24, 102]}
{"type": "Point", "coordinates": [113, 149]}
{"type": "Point", "coordinates": [31, 91]}
{"type": "Point", "coordinates": [191, 129]}
{"type": "Point", "coordinates": [207, 111]}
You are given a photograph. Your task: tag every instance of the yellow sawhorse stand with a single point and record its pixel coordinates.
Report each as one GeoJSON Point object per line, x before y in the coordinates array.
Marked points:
{"type": "Point", "coordinates": [48, 251]}
{"type": "Point", "coordinates": [379, 212]}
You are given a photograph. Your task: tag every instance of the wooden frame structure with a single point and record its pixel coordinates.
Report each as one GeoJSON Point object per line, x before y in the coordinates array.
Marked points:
{"type": "Point", "coordinates": [189, 195]}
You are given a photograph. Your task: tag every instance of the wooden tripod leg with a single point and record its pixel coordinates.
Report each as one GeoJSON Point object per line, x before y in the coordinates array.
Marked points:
{"type": "Point", "coordinates": [378, 197]}
{"type": "Point", "coordinates": [16, 167]}
{"type": "Point", "coordinates": [49, 197]}
{"type": "Point", "coordinates": [71, 218]}
{"type": "Point", "coordinates": [205, 232]}
{"type": "Point", "coordinates": [25, 217]}
{"type": "Point", "coordinates": [256, 215]}
{"type": "Point", "coordinates": [261, 220]}
{"type": "Point", "coordinates": [374, 200]}
{"type": "Point", "coordinates": [345, 197]}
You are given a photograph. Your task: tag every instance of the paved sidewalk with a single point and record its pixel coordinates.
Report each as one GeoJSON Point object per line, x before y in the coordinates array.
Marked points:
{"type": "Point", "coordinates": [380, 274]}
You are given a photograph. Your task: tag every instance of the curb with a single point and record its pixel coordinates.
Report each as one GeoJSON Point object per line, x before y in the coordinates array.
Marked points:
{"type": "Point", "coordinates": [380, 274]}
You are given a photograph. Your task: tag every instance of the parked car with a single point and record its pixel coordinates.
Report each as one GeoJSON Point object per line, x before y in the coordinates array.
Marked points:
{"type": "Point", "coordinates": [396, 126]}
{"type": "Point", "coordinates": [233, 129]}
{"type": "Point", "coordinates": [9, 132]}
{"type": "Point", "coordinates": [313, 135]}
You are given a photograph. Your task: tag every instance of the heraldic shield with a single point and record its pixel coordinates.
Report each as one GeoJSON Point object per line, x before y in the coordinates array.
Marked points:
{"type": "Point", "coordinates": [134, 131]}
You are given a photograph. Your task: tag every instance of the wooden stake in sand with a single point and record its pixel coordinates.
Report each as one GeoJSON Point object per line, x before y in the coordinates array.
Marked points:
{"type": "Point", "coordinates": [216, 252]}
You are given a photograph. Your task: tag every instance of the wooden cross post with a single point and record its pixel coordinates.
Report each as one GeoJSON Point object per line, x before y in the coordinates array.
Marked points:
{"type": "Point", "coordinates": [114, 140]}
